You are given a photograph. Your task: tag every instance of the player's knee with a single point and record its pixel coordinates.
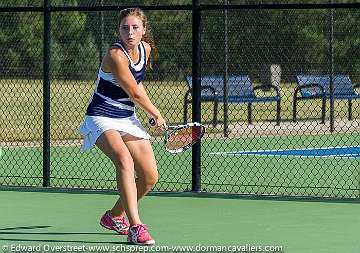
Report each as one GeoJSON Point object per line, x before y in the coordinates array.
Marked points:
{"type": "Point", "coordinates": [151, 179]}
{"type": "Point", "coordinates": [124, 163]}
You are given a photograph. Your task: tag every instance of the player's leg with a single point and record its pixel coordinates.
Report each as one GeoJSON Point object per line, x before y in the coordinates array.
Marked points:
{"type": "Point", "coordinates": [143, 157]}
{"type": "Point", "coordinates": [145, 166]}
{"type": "Point", "coordinates": [112, 144]}
{"type": "Point", "coordinates": [147, 175]}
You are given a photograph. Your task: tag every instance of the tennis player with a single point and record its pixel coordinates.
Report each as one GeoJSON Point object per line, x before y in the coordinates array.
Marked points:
{"type": "Point", "coordinates": [111, 124]}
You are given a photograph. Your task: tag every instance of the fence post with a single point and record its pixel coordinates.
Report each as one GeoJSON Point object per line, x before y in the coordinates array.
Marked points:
{"type": "Point", "coordinates": [331, 66]}
{"type": "Point", "coordinates": [226, 72]}
{"type": "Point", "coordinates": [196, 92]}
{"type": "Point", "coordinates": [46, 96]}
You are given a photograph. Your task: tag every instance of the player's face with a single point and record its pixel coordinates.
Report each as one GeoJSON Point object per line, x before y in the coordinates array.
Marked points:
{"type": "Point", "coordinates": [131, 30]}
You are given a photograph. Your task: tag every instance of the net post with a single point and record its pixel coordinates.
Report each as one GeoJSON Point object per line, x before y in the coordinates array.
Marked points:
{"type": "Point", "coordinates": [196, 92]}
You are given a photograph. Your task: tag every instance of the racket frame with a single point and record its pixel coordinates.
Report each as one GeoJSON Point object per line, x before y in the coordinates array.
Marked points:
{"type": "Point", "coordinates": [173, 129]}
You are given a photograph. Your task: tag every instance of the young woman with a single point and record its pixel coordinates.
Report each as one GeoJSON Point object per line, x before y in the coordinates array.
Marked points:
{"type": "Point", "coordinates": [111, 124]}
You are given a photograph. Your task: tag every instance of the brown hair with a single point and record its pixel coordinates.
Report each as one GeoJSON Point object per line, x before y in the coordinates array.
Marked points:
{"type": "Point", "coordinates": [147, 37]}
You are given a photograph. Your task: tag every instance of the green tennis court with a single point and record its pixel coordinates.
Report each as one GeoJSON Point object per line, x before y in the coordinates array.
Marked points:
{"type": "Point", "coordinates": [46, 218]}
{"type": "Point", "coordinates": [50, 219]}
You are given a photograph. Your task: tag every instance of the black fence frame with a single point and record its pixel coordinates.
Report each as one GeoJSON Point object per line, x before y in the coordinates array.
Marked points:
{"type": "Point", "coordinates": [197, 8]}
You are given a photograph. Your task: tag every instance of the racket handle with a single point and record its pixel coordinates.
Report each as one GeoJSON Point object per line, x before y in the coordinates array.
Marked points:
{"type": "Point", "coordinates": [152, 122]}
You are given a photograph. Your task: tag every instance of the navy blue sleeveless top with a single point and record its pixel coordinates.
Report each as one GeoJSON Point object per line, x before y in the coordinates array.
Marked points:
{"type": "Point", "coordinates": [109, 99]}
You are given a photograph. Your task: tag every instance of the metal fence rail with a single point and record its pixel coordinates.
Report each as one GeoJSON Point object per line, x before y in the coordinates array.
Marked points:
{"type": "Point", "coordinates": [50, 55]}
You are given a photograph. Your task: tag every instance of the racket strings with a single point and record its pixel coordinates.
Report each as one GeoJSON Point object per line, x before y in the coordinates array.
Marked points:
{"type": "Point", "coordinates": [183, 137]}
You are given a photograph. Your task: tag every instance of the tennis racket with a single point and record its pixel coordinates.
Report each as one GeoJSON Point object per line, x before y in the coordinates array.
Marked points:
{"type": "Point", "coordinates": [181, 137]}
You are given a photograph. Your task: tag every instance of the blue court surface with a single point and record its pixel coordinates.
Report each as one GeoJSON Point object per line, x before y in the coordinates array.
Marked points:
{"type": "Point", "coordinates": [336, 152]}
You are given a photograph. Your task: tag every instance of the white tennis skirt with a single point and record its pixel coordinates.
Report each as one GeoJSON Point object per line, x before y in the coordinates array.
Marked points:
{"type": "Point", "coordinates": [94, 126]}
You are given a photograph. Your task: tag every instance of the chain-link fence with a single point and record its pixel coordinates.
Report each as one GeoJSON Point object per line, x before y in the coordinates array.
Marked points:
{"type": "Point", "coordinates": [287, 125]}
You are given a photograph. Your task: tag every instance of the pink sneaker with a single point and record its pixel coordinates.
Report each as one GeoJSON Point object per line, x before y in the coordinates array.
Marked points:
{"type": "Point", "coordinates": [139, 234]}
{"type": "Point", "coordinates": [119, 224]}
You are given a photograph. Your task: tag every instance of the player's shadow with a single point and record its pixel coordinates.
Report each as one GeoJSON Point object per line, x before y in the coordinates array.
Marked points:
{"type": "Point", "coordinates": [12, 231]}
{"type": "Point", "coordinates": [61, 241]}
{"type": "Point", "coordinates": [28, 227]}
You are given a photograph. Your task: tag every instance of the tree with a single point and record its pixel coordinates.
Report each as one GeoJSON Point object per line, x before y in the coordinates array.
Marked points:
{"type": "Point", "coordinates": [21, 43]}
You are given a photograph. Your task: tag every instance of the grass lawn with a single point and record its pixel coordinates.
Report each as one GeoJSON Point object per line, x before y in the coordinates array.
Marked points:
{"type": "Point", "coordinates": [22, 107]}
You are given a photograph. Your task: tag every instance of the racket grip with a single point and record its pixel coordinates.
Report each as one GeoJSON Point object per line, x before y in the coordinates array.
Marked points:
{"type": "Point", "coordinates": [152, 122]}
